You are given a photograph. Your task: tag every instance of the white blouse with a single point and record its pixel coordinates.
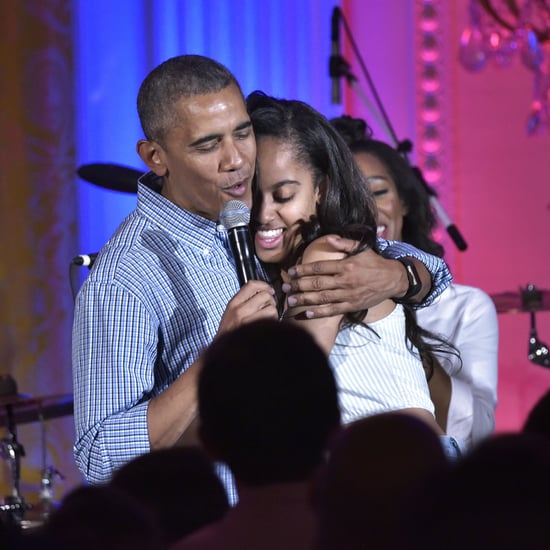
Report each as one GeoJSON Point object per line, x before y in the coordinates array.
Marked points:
{"type": "Point", "coordinates": [376, 371]}
{"type": "Point", "coordinates": [466, 316]}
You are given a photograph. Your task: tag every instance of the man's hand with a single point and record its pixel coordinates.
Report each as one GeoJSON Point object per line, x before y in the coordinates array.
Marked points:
{"type": "Point", "coordinates": [358, 282]}
{"type": "Point", "coordinates": [171, 416]}
{"type": "Point", "coordinates": [255, 300]}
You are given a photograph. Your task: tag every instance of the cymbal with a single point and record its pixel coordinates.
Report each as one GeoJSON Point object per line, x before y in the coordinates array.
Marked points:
{"type": "Point", "coordinates": [111, 176]}
{"type": "Point", "coordinates": [25, 408]}
{"type": "Point", "coordinates": [528, 299]}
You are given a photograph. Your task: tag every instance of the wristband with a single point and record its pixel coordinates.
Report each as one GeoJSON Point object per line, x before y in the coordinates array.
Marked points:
{"type": "Point", "coordinates": [415, 284]}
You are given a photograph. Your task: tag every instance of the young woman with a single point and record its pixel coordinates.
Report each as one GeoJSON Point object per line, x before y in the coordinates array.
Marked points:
{"type": "Point", "coordinates": [309, 186]}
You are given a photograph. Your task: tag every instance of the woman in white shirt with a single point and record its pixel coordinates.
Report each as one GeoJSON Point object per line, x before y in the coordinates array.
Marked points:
{"type": "Point", "coordinates": [466, 316]}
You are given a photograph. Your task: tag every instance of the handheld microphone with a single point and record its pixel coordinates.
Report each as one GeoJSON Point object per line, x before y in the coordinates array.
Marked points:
{"type": "Point", "coordinates": [235, 217]}
{"type": "Point", "coordinates": [85, 260]}
{"type": "Point", "coordinates": [334, 61]}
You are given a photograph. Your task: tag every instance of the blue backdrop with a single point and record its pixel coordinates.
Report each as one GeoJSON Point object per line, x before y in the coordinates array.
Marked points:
{"type": "Point", "coordinates": [279, 46]}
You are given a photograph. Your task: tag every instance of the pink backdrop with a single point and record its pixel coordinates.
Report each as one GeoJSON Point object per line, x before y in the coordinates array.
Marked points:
{"type": "Point", "coordinates": [493, 180]}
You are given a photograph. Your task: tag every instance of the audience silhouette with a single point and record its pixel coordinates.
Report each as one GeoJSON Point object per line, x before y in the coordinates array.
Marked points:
{"type": "Point", "coordinates": [496, 497]}
{"type": "Point", "coordinates": [268, 407]}
{"type": "Point", "coordinates": [375, 467]}
{"type": "Point", "coordinates": [538, 419]}
{"type": "Point", "coordinates": [178, 485]}
{"type": "Point", "coordinates": [92, 517]}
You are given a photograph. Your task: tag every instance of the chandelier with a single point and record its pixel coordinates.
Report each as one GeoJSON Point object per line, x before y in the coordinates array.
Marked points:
{"type": "Point", "coordinates": [498, 31]}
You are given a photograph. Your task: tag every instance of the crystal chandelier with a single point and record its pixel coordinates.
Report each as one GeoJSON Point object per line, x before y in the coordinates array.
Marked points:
{"type": "Point", "coordinates": [497, 31]}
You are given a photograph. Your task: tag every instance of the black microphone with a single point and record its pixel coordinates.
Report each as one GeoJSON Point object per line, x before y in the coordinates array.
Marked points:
{"type": "Point", "coordinates": [334, 61]}
{"type": "Point", "coordinates": [85, 260]}
{"type": "Point", "coordinates": [235, 217]}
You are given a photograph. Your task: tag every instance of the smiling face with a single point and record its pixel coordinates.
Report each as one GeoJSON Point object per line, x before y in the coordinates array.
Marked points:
{"type": "Point", "coordinates": [391, 209]}
{"type": "Point", "coordinates": [287, 196]}
{"type": "Point", "coordinates": [208, 157]}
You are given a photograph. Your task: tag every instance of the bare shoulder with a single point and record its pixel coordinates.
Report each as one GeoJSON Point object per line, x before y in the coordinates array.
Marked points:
{"type": "Point", "coordinates": [321, 249]}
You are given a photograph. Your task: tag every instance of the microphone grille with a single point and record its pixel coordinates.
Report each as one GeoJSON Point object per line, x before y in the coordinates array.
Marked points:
{"type": "Point", "coordinates": [234, 213]}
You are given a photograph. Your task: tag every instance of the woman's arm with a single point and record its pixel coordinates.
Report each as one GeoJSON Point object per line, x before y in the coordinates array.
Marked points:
{"type": "Point", "coordinates": [325, 329]}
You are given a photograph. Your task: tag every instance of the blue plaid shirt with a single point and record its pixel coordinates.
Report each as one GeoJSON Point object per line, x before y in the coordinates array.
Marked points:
{"type": "Point", "coordinates": [151, 303]}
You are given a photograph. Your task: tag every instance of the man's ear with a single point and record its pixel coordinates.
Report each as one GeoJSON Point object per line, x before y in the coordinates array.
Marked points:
{"type": "Point", "coordinates": [152, 154]}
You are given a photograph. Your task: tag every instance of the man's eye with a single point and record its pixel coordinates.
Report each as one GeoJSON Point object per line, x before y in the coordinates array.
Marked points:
{"type": "Point", "coordinates": [244, 134]}
{"type": "Point", "coordinates": [207, 147]}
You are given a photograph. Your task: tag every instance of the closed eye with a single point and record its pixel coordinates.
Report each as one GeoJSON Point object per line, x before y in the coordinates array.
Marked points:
{"type": "Point", "coordinates": [208, 146]}
{"type": "Point", "coordinates": [243, 134]}
{"type": "Point", "coordinates": [282, 200]}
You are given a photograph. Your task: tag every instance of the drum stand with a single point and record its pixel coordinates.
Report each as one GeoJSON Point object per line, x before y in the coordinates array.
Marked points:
{"type": "Point", "coordinates": [13, 506]}
{"type": "Point", "coordinates": [49, 473]}
{"type": "Point", "coordinates": [538, 352]}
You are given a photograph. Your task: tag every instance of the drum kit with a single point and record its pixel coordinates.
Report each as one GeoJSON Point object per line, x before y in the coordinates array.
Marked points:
{"type": "Point", "coordinates": [529, 300]}
{"type": "Point", "coordinates": [16, 409]}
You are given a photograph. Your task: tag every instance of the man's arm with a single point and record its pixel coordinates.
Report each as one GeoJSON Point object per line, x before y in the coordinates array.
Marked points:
{"type": "Point", "coordinates": [113, 369]}
{"type": "Point", "coordinates": [171, 415]}
{"type": "Point", "coordinates": [433, 271]}
{"type": "Point", "coordinates": [360, 281]}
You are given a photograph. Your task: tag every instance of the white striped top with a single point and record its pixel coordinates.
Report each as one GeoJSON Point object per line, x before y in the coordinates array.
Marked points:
{"type": "Point", "coordinates": [377, 371]}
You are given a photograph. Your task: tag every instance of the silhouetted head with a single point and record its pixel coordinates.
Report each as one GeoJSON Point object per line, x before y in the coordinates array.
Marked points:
{"type": "Point", "coordinates": [267, 402]}
{"type": "Point", "coordinates": [496, 496]}
{"type": "Point", "coordinates": [91, 517]}
{"type": "Point", "coordinates": [374, 470]}
{"type": "Point", "coordinates": [178, 485]}
{"type": "Point", "coordinates": [538, 419]}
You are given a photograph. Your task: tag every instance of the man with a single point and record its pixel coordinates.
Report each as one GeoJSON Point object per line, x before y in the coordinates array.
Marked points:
{"type": "Point", "coordinates": [164, 286]}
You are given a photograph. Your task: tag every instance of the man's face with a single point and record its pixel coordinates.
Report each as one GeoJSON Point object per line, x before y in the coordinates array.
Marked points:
{"type": "Point", "coordinates": [208, 157]}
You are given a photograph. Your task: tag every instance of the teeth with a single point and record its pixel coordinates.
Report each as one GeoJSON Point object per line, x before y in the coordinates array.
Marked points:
{"type": "Point", "coordinates": [269, 233]}
{"type": "Point", "coordinates": [380, 229]}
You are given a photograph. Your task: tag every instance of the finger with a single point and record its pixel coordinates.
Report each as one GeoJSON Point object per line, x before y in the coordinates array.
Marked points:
{"type": "Point", "coordinates": [261, 299]}
{"type": "Point", "coordinates": [246, 307]}
{"type": "Point", "coordinates": [310, 284]}
{"type": "Point", "coordinates": [329, 310]}
{"type": "Point", "coordinates": [265, 313]}
{"type": "Point", "coordinates": [251, 289]}
{"type": "Point", "coordinates": [254, 286]}
{"type": "Point", "coordinates": [312, 269]}
{"type": "Point", "coordinates": [321, 298]}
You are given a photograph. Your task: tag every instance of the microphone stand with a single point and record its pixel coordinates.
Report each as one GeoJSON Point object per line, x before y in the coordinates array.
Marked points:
{"type": "Point", "coordinates": [339, 67]}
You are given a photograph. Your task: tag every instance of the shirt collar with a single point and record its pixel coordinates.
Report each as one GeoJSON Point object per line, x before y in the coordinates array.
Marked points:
{"type": "Point", "coordinates": [190, 227]}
